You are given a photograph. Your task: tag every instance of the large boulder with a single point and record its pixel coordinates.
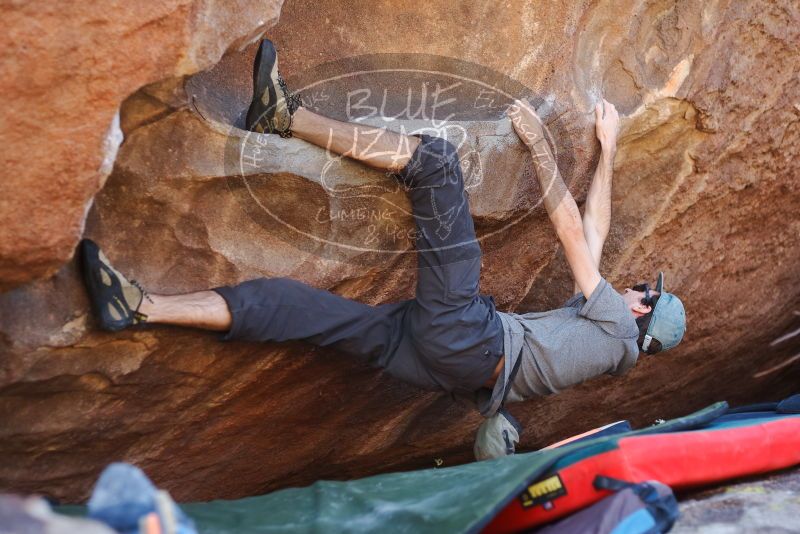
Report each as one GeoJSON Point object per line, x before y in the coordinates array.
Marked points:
{"type": "Point", "coordinates": [705, 188]}
{"type": "Point", "coordinates": [67, 67]}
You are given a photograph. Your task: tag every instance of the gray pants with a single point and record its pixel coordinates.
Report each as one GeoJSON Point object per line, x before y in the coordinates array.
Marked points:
{"type": "Point", "coordinates": [447, 338]}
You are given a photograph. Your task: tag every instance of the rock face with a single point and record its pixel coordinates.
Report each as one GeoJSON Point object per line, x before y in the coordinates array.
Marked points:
{"type": "Point", "coordinates": [767, 505]}
{"type": "Point", "coordinates": [706, 189]}
{"type": "Point", "coordinates": [67, 67]}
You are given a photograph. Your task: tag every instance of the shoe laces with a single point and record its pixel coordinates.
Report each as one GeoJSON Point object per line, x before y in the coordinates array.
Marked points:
{"type": "Point", "coordinates": [293, 101]}
{"type": "Point", "coordinates": [145, 294]}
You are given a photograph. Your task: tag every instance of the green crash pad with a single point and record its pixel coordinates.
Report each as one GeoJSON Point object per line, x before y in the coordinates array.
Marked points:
{"type": "Point", "coordinates": [454, 499]}
{"type": "Point", "coordinates": [463, 498]}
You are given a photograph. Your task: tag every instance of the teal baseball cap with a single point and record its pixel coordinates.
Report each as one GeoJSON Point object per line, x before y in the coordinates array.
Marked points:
{"type": "Point", "coordinates": [668, 323]}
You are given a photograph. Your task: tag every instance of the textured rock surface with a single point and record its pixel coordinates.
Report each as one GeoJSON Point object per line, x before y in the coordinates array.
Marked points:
{"type": "Point", "coordinates": [706, 188]}
{"type": "Point", "coordinates": [768, 505]}
{"type": "Point", "coordinates": [67, 67]}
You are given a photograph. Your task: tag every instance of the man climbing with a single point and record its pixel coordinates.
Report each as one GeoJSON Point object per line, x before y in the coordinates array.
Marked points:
{"type": "Point", "coordinates": [449, 337]}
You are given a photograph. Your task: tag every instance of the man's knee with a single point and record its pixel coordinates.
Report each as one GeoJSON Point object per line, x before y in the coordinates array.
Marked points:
{"type": "Point", "coordinates": [435, 164]}
{"type": "Point", "coordinates": [444, 149]}
{"type": "Point", "coordinates": [440, 154]}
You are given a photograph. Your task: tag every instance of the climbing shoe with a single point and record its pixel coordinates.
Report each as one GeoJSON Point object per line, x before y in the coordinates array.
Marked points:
{"type": "Point", "coordinates": [115, 299]}
{"type": "Point", "coordinates": [273, 105]}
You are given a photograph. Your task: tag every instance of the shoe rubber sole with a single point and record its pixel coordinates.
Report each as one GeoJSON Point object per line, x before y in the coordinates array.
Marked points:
{"type": "Point", "coordinates": [102, 294]}
{"type": "Point", "coordinates": [265, 82]}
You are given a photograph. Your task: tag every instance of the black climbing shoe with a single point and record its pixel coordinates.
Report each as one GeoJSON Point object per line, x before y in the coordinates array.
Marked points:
{"type": "Point", "coordinates": [115, 299]}
{"type": "Point", "coordinates": [273, 105]}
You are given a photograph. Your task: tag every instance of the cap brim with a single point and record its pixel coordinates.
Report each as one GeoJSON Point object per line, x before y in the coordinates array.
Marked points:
{"type": "Point", "coordinates": [660, 282]}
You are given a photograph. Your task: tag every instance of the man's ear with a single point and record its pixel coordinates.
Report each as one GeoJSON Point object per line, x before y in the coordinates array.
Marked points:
{"type": "Point", "coordinates": [642, 309]}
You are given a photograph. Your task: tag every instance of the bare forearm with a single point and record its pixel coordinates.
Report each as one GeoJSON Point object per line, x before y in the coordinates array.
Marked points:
{"type": "Point", "coordinates": [558, 201]}
{"type": "Point", "coordinates": [597, 214]}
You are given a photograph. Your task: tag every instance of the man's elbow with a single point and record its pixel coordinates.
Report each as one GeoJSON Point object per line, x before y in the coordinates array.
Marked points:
{"type": "Point", "coordinates": [593, 233]}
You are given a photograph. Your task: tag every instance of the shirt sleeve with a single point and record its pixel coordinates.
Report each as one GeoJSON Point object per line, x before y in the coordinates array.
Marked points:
{"type": "Point", "coordinates": [575, 301]}
{"type": "Point", "coordinates": [606, 308]}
